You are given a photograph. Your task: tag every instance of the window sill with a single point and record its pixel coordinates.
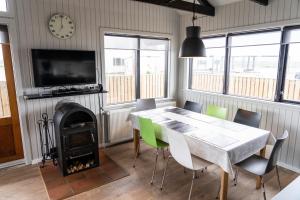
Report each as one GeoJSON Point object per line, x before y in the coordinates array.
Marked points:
{"type": "Point", "coordinates": [133, 104]}
{"type": "Point", "coordinates": [292, 105]}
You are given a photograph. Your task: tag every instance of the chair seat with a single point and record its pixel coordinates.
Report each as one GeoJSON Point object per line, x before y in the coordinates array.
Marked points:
{"type": "Point", "coordinates": [199, 163]}
{"type": "Point", "coordinates": [161, 144]}
{"type": "Point", "coordinates": [255, 164]}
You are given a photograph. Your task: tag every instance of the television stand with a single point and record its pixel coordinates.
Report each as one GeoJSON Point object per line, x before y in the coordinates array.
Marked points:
{"type": "Point", "coordinates": [64, 92]}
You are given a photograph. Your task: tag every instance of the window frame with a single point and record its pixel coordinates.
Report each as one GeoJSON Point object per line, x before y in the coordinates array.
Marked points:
{"type": "Point", "coordinates": [283, 67]}
{"type": "Point", "coordinates": [281, 70]}
{"type": "Point", "coordinates": [138, 61]}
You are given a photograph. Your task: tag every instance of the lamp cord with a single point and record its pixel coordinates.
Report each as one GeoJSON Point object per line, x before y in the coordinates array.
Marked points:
{"type": "Point", "coordinates": [194, 14]}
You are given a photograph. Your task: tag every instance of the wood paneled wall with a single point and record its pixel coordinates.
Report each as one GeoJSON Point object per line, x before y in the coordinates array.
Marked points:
{"type": "Point", "coordinates": [242, 16]}
{"type": "Point", "coordinates": [89, 15]}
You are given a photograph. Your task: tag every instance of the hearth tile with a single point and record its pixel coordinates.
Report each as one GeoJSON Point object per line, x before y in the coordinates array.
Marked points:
{"type": "Point", "coordinates": [56, 182]}
{"type": "Point", "coordinates": [60, 192]}
{"type": "Point", "coordinates": [75, 177]}
{"type": "Point", "coordinates": [81, 185]}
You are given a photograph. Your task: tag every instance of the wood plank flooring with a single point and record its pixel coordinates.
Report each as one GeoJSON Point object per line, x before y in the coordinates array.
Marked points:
{"type": "Point", "coordinates": [25, 182]}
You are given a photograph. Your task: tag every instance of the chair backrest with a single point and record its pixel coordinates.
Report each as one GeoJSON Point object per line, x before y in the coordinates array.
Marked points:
{"type": "Point", "coordinates": [145, 104]}
{"type": "Point", "coordinates": [216, 111]}
{"type": "Point", "coordinates": [275, 151]}
{"type": "Point", "coordinates": [147, 131]}
{"type": "Point", "coordinates": [179, 149]}
{"type": "Point", "coordinates": [193, 106]}
{"type": "Point", "coordinates": [247, 118]}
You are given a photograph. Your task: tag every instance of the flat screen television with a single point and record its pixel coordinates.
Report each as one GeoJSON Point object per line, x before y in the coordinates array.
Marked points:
{"type": "Point", "coordinates": [63, 67]}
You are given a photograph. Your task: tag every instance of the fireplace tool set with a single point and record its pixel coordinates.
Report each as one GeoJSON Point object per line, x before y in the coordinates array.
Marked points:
{"type": "Point", "coordinates": [48, 149]}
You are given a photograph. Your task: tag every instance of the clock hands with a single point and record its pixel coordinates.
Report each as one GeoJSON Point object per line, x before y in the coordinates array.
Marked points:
{"type": "Point", "coordinates": [61, 22]}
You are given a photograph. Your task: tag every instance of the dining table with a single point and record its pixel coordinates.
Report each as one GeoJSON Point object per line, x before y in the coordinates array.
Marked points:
{"type": "Point", "coordinates": [221, 142]}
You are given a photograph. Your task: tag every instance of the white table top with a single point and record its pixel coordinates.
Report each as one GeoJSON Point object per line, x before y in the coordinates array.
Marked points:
{"type": "Point", "coordinates": [290, 192]}
{"type": "Point", "coordinates": [218, 141]}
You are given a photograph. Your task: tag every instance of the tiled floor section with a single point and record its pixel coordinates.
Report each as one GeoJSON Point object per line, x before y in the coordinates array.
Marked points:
{"type": "Point", "coordinates": [60, 187]}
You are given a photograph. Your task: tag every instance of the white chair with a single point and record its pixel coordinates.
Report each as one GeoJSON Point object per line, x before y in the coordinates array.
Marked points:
{"type": "Point", "coordinates": [180, 151]}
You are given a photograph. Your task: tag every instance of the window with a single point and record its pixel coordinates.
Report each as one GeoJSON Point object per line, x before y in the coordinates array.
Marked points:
{"type": "Point", "coordinates": [207, 74]}
{"type": "Point", "coordinates": [291, 90]}
{"type": "Point", "coordinates": [253, 64]}
{"type": "Point", "coordinates": [3, 6]}
{"type": "Point", "coordinates": [263, 64]}
{"type": "Point", "coordinates": [153, 68]}
{"type": "Point", "coordinates": [135, 67]}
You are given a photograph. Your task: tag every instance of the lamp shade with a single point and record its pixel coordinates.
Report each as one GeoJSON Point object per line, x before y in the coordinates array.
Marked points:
{"type": "Point", "coordinates": [192, 46]}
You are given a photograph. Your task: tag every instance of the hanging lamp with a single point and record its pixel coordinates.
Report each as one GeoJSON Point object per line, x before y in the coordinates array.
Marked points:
{"type": "Point", "coordinates": [192, 46]}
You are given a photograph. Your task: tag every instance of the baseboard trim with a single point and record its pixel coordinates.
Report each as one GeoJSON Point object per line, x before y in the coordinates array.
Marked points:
{"type": "Point", "coordinates": [36, 161]}
{"type": "Point", "coordinates": [289, 167]}
{"type": "Point", "coordinates": [12, 163]}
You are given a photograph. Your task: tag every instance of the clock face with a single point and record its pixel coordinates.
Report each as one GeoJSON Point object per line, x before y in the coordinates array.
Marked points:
{"type": "Point", "coordinates": [61, 26]}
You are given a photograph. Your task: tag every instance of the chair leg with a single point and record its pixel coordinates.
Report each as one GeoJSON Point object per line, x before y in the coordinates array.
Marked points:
{"type": "Point", "coordinates": [163, 179]}
{"type": "Point", "coordinates": [163, 152]}
{"type": "Point", "coordinates": [278, 179]}
{"type": "Point", "coordinates": [218, 194]}
{"type": "Point", "coordinates": [136, 155]}
{"type": "Point", "coordinates": [194, 175]}
{"type": "Point", "coordinates": [197, 175]}
{"type": "Point", "coordinates": [236, 177]}
{"type": "Point", "coordinates": [263, 186]}
{"type": "Point", "coordinates": [154, 170]}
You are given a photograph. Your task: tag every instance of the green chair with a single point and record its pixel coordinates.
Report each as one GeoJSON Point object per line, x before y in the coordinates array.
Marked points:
{"type": "Point", "coordinates": [216, 111]}
{"type": "Point", "coordinates": [148, 132]}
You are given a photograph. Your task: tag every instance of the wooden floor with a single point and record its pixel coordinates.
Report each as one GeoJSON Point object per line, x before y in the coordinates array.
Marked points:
{"type": "Point", "coordinates": [26, 182]}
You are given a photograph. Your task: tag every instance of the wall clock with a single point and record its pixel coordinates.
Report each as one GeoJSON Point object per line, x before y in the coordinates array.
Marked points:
{"type": "Point", "coordinates": [61, 26]}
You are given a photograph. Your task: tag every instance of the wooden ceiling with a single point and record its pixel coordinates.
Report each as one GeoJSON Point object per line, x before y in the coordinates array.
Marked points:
{"type": "Point", "coordinates": [203, 7]}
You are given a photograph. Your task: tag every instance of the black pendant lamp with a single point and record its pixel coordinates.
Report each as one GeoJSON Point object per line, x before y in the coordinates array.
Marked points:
{"type": "Point", "coordinates": [192, 46]}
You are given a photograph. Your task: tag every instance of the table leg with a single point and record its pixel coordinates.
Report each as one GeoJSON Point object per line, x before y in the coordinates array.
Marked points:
{"type": "Point", "coordinates": [258, 179]}
{"type": "Point", "coordinates": [136, 141]}
{"type": "Point", "coordinates": [224, 185]}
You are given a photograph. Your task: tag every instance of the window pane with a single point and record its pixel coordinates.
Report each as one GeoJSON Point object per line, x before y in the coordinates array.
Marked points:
{"type": "Point", "coordinates": [214, 42]}
{"type": "Point", "coordinates": [208, 73]}
{"type": "Point", "coordinates": [115, 42]}
{"type": "Point", "coordinates": [256, 39]}
{"type": "Point", "coordinates": [120, 68]}
{"type": "Point", "coordinates": [3, 6]}
{"type": "Point", "coordinates": [4, 100]}
{"type": "Point", "coordinates": [293, 36]}
{"type": "Point", "coordinates": [154, 44]}
{"type": "Point", "coordinates": [153, 65]}
{"type": "Point", "coordinates": [253, 71]}
{"type": "Point", "coordinates": [292, 79]}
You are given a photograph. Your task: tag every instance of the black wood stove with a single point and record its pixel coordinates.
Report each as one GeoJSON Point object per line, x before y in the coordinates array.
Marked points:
{"type": "Point", "coordinates": [76, 137]}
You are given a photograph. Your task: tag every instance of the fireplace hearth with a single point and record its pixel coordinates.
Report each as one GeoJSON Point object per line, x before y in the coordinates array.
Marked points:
{"type": "Point", "coordinates": [76, 137]}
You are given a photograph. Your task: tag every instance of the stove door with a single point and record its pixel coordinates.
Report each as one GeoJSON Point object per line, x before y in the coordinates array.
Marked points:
{"type": "Point", "coordinates": [80, 139]}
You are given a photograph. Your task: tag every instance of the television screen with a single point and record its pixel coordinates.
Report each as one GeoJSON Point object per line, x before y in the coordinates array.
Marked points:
{"type": "Point", "coordinates": [63, 67]}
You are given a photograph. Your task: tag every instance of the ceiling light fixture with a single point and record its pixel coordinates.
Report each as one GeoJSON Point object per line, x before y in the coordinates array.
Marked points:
{"type": "Point", "coordinates": [192, 46]}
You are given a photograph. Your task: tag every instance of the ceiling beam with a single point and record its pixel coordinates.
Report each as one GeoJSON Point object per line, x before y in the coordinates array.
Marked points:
{"type": "Point", "coordinates": [205, 8]}
{"type": "Point", "coordinates": [261, 2]}
{"type": "Point", "coordinates": [205, 3]}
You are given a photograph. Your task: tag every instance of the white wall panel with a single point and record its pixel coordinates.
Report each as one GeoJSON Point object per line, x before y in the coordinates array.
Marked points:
{"type": "Point", "coordinates": [89, 16]}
